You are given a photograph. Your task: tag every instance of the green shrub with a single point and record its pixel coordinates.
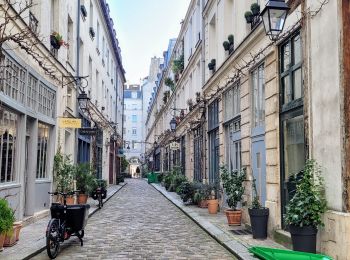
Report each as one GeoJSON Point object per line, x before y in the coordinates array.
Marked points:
{"type": "Point", "coordinates": [84, 177]}
{"type": "Point", "coordinates": [176, 182]}
{"type": "Point", "coordinates": [186, 191]}
{"type": "Point", "coordinates": [168, 180]}
{"type": "Point", "coordinates": [308, 204]}
{"type": "Point", "coordinates": [233, 185]}
{"type": "Point", "coordinates": [7, 217]}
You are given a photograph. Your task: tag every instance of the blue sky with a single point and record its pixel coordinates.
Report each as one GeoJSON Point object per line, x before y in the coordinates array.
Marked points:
{"type": "Point", "coordinates": [144, 28]}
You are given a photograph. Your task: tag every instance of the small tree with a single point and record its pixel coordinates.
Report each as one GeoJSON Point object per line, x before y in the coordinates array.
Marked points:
{"type": "Point", "coordinates": [233, 185]}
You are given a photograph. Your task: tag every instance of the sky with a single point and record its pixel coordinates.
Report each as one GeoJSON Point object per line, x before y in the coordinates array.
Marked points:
{"type": "Point", "coordinates": [144, 28]}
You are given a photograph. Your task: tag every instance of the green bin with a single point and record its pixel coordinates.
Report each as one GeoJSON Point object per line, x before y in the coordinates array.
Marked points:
{"type": "Point", "coordinates": [279, 254]}
{"type": "Point", "coordinates": [152, 177]}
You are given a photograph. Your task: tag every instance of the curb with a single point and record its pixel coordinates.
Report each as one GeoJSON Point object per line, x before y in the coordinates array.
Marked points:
{"type": "Point", "coordinates": [90, 215]}
{"type": "Point", "coordinates": [225, 243]}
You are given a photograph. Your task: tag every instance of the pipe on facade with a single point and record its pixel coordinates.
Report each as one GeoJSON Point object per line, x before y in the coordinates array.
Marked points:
{"type": "Point", "coordinates": [76, 150]}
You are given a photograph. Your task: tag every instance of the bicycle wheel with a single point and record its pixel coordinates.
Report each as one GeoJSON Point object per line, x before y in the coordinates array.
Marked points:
{"type": "Point", "coordinates": [53, 238]}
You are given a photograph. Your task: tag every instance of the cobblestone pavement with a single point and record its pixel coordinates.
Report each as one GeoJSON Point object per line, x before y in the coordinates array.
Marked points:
{"type": "Point", "coordinates": [139, 223]}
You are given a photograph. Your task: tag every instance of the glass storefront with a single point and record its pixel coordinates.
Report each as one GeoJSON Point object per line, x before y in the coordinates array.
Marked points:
{"type": "Point", "coordinates": [43, 140]}
{"type": "Point", "coordinates": [8, 135]}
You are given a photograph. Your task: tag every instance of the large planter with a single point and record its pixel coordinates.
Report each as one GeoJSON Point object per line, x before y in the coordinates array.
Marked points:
{"type": "Point", "coordinates": [2, 240]}
{"type": "Point", "coordinates": [258, 220]}
{"type": "Point", "coordinates": [213, 206]}
{"type": "Point", "coordinates": [303, 238]}
{"type": "Point", "coordinates": [82, 198]}
{"type": "Point", "coordinates": [54, 43]}
{"type": "Point", "coordinates": [203, 204]}
{"type": "Point", "coordinates": [234, 217]}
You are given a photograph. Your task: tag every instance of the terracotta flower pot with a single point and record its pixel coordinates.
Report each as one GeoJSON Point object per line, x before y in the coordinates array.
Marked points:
{"type": "Point", "coordinates": [10, 239]}
{"type": "Point", "coordinates": [213, 206]}
{"type": "Point", "coordinates": [82, 198]}
{"type": "Point", "coordinates": [233, 217]}
{"type": "Point", "coordinates": [2, 240]}
{"type": "Point", "coordinates": [70, 200]}
{"type": "Point", "coordinates": [18, 229]}
{"type": "Point", "coordinates": [203, 204]}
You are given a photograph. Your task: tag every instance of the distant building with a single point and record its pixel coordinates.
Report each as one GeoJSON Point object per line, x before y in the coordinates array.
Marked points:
{"type": "Point", "coordinates": [133, 124]}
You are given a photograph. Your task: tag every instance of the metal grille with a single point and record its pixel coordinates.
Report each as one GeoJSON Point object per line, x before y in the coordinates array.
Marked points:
{"type": "Point", "coordinates": [241, 232]}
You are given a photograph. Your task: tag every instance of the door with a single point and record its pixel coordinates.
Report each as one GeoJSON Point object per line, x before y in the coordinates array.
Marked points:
{"type": "Point", "coordinates": [259, 166]}
{"type": "Point", "coordinates": [26, 177]}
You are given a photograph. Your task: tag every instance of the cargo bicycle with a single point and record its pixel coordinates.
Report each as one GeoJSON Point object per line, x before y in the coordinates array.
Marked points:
{"type": "Point", "coordinates": [66, 221]}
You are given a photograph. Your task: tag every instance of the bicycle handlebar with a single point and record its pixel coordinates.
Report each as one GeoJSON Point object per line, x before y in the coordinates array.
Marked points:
{"type": "Point", "coordinates": [64, 194]}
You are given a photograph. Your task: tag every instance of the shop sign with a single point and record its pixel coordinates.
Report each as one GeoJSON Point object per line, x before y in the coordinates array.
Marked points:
{"type": "Point", "coordinates": [87, 131]}
{"type": "Point", "coordinates": [69, 122]}
{"type": "Point", "coordinates": [174, 146]}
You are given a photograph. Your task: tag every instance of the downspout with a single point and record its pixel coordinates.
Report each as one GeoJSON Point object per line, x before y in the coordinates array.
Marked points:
{"type": "Point", "coordinates": [78, 82]}
{"type": "Point", "coordinates": [204, 132]}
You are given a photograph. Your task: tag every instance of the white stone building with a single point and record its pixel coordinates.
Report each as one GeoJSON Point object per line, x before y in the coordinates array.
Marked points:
{"type": "Point", "coordinates": [46, 88]}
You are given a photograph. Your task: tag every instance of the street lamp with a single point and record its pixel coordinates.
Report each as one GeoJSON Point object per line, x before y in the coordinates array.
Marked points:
{"type": "Point", "coordinates": [83, 100]}
{"type": "Point", "coordinates": [173, 124]}
{"type": "Point", "coordinates": [274, 17]}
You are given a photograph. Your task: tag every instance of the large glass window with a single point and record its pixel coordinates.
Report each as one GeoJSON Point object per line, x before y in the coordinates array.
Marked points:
{"type": "Point", "coordinates": [292, 118]}
{"type": "Point", "coordinates": [213, 121]}
{"type": "Point", "coordinates": [233, 145]}
{"type": "Point", "coordinates": [8, 134]}
{"type": "Point", "coordinates": [198, 154]}
{"type": "Point", "coordinates": [291, 70]}
{"type": "Point", "coordinates": [46, 100]}
{"type": "Point", "coordinates": [232, 102]}
{"type": "Point", "coordinates": [258, 83]}
{"type": "Point", "coordinates": [43, 140]}
{"type": "Point", "coordinates": [32, 92]}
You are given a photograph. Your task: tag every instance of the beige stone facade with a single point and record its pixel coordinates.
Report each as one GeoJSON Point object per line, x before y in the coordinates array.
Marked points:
{"type": "Point", "coordinates": [309, 123]}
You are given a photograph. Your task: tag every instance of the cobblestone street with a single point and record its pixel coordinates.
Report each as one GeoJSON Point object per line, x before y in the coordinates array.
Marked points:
{"type": "Point", "coordinates": [139, 223]}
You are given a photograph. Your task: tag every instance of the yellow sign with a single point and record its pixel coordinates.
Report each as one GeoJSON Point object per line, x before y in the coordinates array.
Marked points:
{"type": "Point", "coordinates": [69, 122]}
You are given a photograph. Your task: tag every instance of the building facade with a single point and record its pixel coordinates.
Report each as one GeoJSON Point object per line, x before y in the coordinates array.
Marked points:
{"type": "Point", "coordinates": [40, 83]}
{"type": "Point", "coordinates": [263, 105]}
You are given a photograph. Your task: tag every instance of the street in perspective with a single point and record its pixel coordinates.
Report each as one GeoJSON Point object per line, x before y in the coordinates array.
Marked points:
{"type": "Point", "coordinates": [163, 129]}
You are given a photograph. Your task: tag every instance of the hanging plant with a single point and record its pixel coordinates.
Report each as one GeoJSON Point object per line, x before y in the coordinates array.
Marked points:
{"type": "Point", "coordinates": [226, 45]}
{"type": "Point", "coordinates": [57, 41]}
{"type": "Point", "coordinates": [255, 8]}
{"type": "Point", "coordinates": [249, 16]}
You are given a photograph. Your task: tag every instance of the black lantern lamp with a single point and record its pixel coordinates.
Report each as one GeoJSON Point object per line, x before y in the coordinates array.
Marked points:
{"type": "Point", "coordinates": [173, 124]}
{"type": "Point", "coordinates": [83, 100]}
{"type": "Point", "coordinates": [274, 16]}
{"type": "Point", "coordinates": [155, 144]}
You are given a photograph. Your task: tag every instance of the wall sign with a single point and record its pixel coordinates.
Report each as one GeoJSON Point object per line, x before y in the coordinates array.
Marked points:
{"type": "Point", "coordinates": [69, 122]}
{"type": "Point", "coordinates": [174, 146]}
{"type": "Point", "coordinates": [87, 131]}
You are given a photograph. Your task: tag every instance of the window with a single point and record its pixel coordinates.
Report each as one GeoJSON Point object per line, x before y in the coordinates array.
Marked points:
{"type": "Point", "coordinates": [103, 50]}
{"type": "Point", "coordinates": [13, 79]}
{"type": "Point", "coordinates": [124, 130]}
{"type": "Point", "coordinates": [134, 131]}
{"type": "Point", "coordinates": [183, 155]}
{"type": "Point", "coordinates": [198, 154]}
{"type": "Point", "coordinates": [291, 71]}
{"type": "Point", "coordinates": [43, 139]}
{"type": "Point", "coordinates": [233, 145]}
{"type": "Point", "coordinates": [46, 100]}
{"type": "Point", "coordinates": [107, 58]}
{"type": "Point", "coordinates": [232, 102]}
{"type": "Point", "coordinates": [70, 40]}
{"type": "Point", "coordinates": [8, 134]}
{"type": "Point", "coordinates": [33, 23]}
{"type": "Point", "coordinates": [98, 36]}
{"type": "Point", "coordinates": [134, 94]}
{"type": "Point", "coordinates": [134, 118]}
{"type": "Point", "coordinates": [258, 83]}
{"type": "Point", "coordinates": [32, 92]}
{"type": "Point", "coordinates": [213, 125]}
{"type": "Point", "coordinates": [91, 15]}
{"type": "Point", "coordinates": [213, 111]}
{"type": "Point", "coordinates": [291, 115]}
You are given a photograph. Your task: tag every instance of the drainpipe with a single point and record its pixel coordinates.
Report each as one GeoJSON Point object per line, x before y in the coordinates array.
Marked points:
{"type": "Point", "coordinates": [204, 135]}
{"type": "Point", "coordinates": [76, 150]}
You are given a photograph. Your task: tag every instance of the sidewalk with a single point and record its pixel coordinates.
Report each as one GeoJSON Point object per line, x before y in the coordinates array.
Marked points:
{"type": "Point", "coordinates": [32, 237]}
{"type": "Point", "coordinates": [216, 226]}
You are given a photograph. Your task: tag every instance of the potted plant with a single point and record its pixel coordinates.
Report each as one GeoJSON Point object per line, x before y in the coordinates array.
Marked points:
{"type": "Point", "coordinates": [186, 191]}
{"type": "Point", "coordinates": [190, 104]}
{"type": "Point", "coordinates": [7, 219]}
{"type": "Point", "coordinates": [198, 97]}
{"type": "Point", "coordinates": [249, 16]}
{"type": "Point", "coordinates": [231, 39]}
{"type": "Point", "coordinates": [213, 202]}
{"type": "Point", "coordinates": [63, 175]}
{"type": "Point", "coordinates": [258, 216]}
{"type": "Point", "coordinates": [226, 45]}
{"type": "Point", "coordinates": [199, 196]}
{"type": "Point", "coordinates": [212, 64]}
{"type": "Point", "coordinates": [167, 180]}
{"type": "Point", "coordinates": [234, 189]}
{"type": "Point", "coordinates": [305, 209]}
{"type": "Point", "coordinates": [178, 65]}
{"type": "Point", "coordinates": [57, 41]}
{"type": "Point", "coordinates": [255, 8]}
{"type": "Point", "coordinates": [84, 181]}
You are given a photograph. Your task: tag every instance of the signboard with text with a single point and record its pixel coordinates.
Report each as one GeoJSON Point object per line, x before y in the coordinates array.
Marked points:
{"type": "Point", "coordinates": [87, 131]}
{"type": "Point", "coordinates": [69, 122]}
{"type": "Point", "coordinates": [174, 146]}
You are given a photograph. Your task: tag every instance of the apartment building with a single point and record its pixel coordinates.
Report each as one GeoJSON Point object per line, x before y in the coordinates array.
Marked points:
{"type": "Point", "coordinates": [266, 105]}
